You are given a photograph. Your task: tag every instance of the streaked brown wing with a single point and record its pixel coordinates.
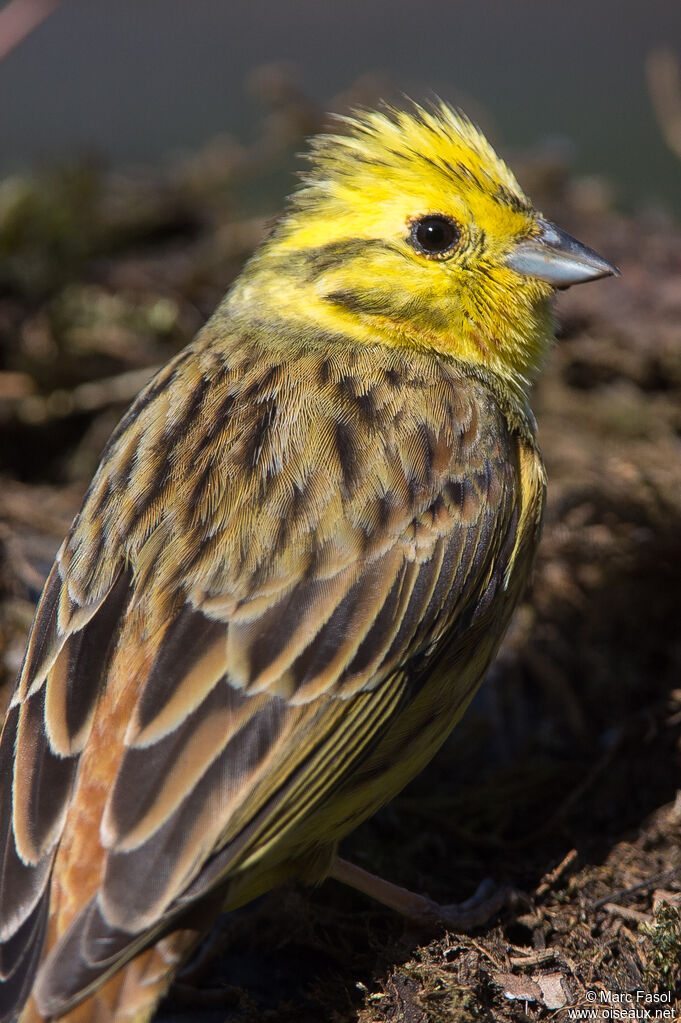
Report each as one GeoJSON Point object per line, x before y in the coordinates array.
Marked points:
{"type": "Point", "coordinates": [44, 731]}
{"type": "Point", "coordinates": [261, 684]}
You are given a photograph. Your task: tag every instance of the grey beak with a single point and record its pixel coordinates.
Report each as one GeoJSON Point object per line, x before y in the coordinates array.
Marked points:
{"type": "Point", "coordinates": [559, 259]}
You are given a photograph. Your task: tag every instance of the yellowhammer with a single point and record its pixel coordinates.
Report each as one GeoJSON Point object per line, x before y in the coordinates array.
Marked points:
{"type": "Point", "coordinates": [292, 569]}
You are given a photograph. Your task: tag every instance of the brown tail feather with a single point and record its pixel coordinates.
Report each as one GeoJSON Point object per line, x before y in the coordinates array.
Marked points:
{"type": "Point", "coordinates": [132, 994]}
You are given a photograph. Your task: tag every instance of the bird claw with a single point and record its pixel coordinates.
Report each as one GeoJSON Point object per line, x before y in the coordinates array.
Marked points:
{"type": "Point", "coordinates": [462, 916]}
{"type": "Point", "coordinates": [421, 909]}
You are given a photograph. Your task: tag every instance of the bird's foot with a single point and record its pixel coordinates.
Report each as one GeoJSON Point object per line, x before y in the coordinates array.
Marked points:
{"type": "Point", "coordinates": [464, 916]}
{"type": "Point", "coordinates": [424, 911]}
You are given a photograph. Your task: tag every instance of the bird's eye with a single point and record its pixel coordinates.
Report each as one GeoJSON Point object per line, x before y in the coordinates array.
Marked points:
{"type": "Point", "coordinates": [435, 235]}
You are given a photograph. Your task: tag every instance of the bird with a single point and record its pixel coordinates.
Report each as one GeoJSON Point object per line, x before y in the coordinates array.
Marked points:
{"type": "Point", "coordinates": [291, 571]}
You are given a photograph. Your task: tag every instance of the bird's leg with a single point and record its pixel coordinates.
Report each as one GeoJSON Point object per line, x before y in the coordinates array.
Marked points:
{"type": "Point", "coordinates": [475, 911]}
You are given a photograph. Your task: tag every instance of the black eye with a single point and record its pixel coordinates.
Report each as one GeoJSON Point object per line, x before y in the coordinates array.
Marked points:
{"type": "Point", "coordinates": [435, 235]}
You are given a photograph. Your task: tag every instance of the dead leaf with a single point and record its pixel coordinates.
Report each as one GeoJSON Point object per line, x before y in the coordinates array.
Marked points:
{"type": "Point", "coordinates": [553, 992]}
{"type": "Point", "coordinates": [522, 988]}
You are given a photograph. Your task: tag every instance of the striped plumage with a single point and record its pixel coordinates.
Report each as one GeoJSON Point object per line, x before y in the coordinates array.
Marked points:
{"type": "Point", "coordinates": [297, 559]}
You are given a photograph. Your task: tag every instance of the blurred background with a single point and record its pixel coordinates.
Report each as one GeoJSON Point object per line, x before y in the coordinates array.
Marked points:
{"type": "Point", "coordinates": [139, 80]}
{"type": "Point", "coordinates": [146, 146]}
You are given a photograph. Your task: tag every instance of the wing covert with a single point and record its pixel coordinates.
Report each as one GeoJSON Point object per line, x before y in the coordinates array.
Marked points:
{"type": "Point", "coordinates": [278, 600]}
{"type": "Point", "coordinates": [44, 731]}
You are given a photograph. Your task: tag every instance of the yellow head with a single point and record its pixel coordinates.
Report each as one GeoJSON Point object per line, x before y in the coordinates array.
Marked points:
{"type": "Point", "coordinates": [409, 230]}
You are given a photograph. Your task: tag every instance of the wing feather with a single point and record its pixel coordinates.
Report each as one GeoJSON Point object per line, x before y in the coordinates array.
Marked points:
{"type": "Point", "coordinates": [21, 883]}
{"type": "Point", "coordinates": [287, 605]}
{"type": "Point", "coordinates": [190, 662]}
{"type": "Point", "coordinates": [43, 733]}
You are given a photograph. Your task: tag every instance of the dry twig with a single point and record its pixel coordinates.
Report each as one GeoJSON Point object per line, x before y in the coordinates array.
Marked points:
{"type": "Point", "coordinates": [19, 18]}
{"type": "Point", "coordinates": [664, 85]}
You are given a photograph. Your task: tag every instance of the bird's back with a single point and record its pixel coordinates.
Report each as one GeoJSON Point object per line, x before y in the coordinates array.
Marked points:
{"type": "Point", "coordinates": [285, 559]}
